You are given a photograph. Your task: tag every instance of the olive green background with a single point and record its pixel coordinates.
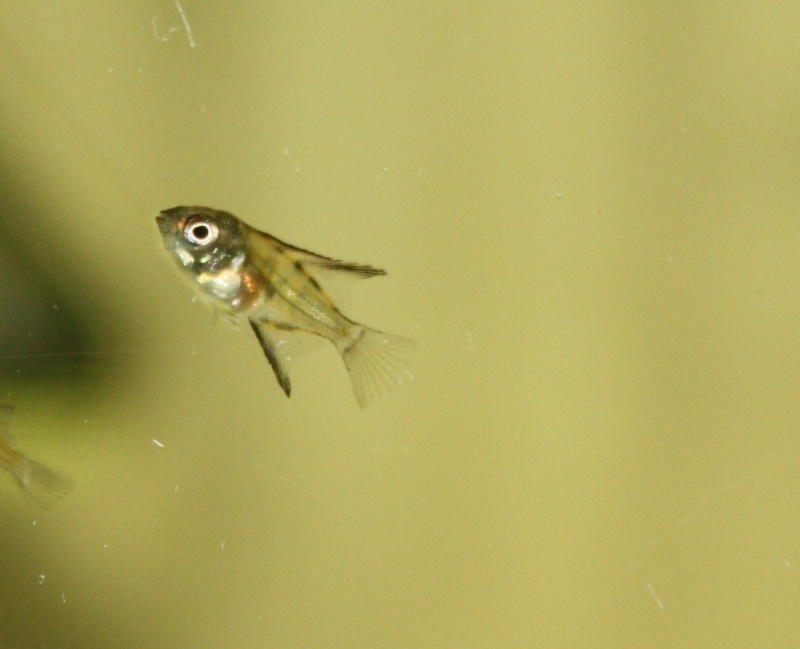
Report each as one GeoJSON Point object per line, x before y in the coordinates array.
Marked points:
{"type": "Point", "coordinates": [589, 214]}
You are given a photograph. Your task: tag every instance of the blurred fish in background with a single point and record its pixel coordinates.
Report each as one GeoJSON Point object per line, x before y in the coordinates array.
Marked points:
{"type": "Point", "coordinates": [44, 485]}
{"type": "Point", "coordinates": [48, 325]}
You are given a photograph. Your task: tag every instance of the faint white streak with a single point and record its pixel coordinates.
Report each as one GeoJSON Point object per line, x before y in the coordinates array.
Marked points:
{"type": "Point", "coordinates": [299, 487]}
{"type": "Point", "coordinates": [434, 636]}
{"type": "Point", "coordinates": [186, 24]}
{"type": "Point", "coordinates": [165, 37]}
{"type": "Point", "coordinates": [157, 443]}
{"type": "Point", "coordinates": [655, 596]}
{"type": "Point", "coordinates": [41, 579]}
{"type": "Point", "coordinates": [63, 597]}
{"type": "Point", "coordinates": [470, 341]}
{"type": "Point", "coordinates": [157, 32]}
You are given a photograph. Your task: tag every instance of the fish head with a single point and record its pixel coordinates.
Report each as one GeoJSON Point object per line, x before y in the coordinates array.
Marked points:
{"type": "Point", "coordinates": [202, 240]}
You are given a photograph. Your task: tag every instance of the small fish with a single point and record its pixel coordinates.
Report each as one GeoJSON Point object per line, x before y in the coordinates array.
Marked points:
{"type": "Point", "coordinates": [248, 274]}
{"type": "Point", "coordinates": [41, 483]}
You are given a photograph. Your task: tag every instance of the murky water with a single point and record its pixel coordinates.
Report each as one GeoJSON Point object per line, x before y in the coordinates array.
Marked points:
{"type": "Point", "coordinates": [590, 221]}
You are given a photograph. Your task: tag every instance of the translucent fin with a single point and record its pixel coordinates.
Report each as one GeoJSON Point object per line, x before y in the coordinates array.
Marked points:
{"type": "Point", "coordinates": [46, 487]}
{"type": "Point", "coordinates": [377, 362]}
{"type": "Point", "coordinates": [42, 484]}
{"type": "Point", "coordinates": [270, 338]}
{"type": "Point", "coordinates": [311, 261]}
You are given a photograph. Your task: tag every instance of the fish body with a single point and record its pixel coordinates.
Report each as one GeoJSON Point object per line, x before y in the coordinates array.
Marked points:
{"type": "Point", "coordinates": [37, 480]}
{"type": "Point", "coordinates": [249, 274]}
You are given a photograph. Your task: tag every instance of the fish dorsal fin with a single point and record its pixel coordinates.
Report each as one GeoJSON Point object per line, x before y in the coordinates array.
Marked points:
{"type": "Point", "coordinates": [312, 261]}
{"type": "Point", "coordinates": [326, 263]}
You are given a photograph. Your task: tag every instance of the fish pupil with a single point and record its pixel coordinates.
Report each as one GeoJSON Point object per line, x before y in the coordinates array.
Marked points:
{"type": "Point", "coordinates": [201, 233]}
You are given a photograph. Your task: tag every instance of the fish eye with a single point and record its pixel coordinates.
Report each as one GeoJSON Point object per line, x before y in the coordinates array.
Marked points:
{"type": "Point", "coordinates": [201, 233]}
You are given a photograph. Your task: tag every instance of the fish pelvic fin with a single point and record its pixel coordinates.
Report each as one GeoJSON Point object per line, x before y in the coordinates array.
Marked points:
{"type": "Point", "coordinates": [376, 361]}
{"type": "Point", "coordinates": [270, 339]}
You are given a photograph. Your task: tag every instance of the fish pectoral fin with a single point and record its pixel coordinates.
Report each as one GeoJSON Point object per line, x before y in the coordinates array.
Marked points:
{"type": "Point", "coordinates": [270, 340]}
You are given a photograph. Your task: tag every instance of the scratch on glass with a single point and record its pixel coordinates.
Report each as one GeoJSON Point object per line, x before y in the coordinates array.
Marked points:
{"type": "Point", "coordinates": [299, 487]}
{"type": "Point", "coordinates": [186, 24]}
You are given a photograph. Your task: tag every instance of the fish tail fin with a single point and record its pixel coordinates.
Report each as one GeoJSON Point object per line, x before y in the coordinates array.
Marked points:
{"type": "Point", "coordinates": [376, 361]}
{"type": "Point", "coordinates": [43, 485]}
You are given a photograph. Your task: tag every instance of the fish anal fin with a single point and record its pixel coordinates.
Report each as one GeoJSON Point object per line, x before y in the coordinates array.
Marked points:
{"type": "Point", "coordinates": [270, 340]}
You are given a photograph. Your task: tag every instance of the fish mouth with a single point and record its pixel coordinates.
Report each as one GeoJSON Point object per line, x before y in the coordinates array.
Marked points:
{"type": "Point", "coordinates": [163, 223]}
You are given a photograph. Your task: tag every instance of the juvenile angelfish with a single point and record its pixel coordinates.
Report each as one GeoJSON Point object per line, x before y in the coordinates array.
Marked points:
{"type": "Point", "coordinates": [250, 275]}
